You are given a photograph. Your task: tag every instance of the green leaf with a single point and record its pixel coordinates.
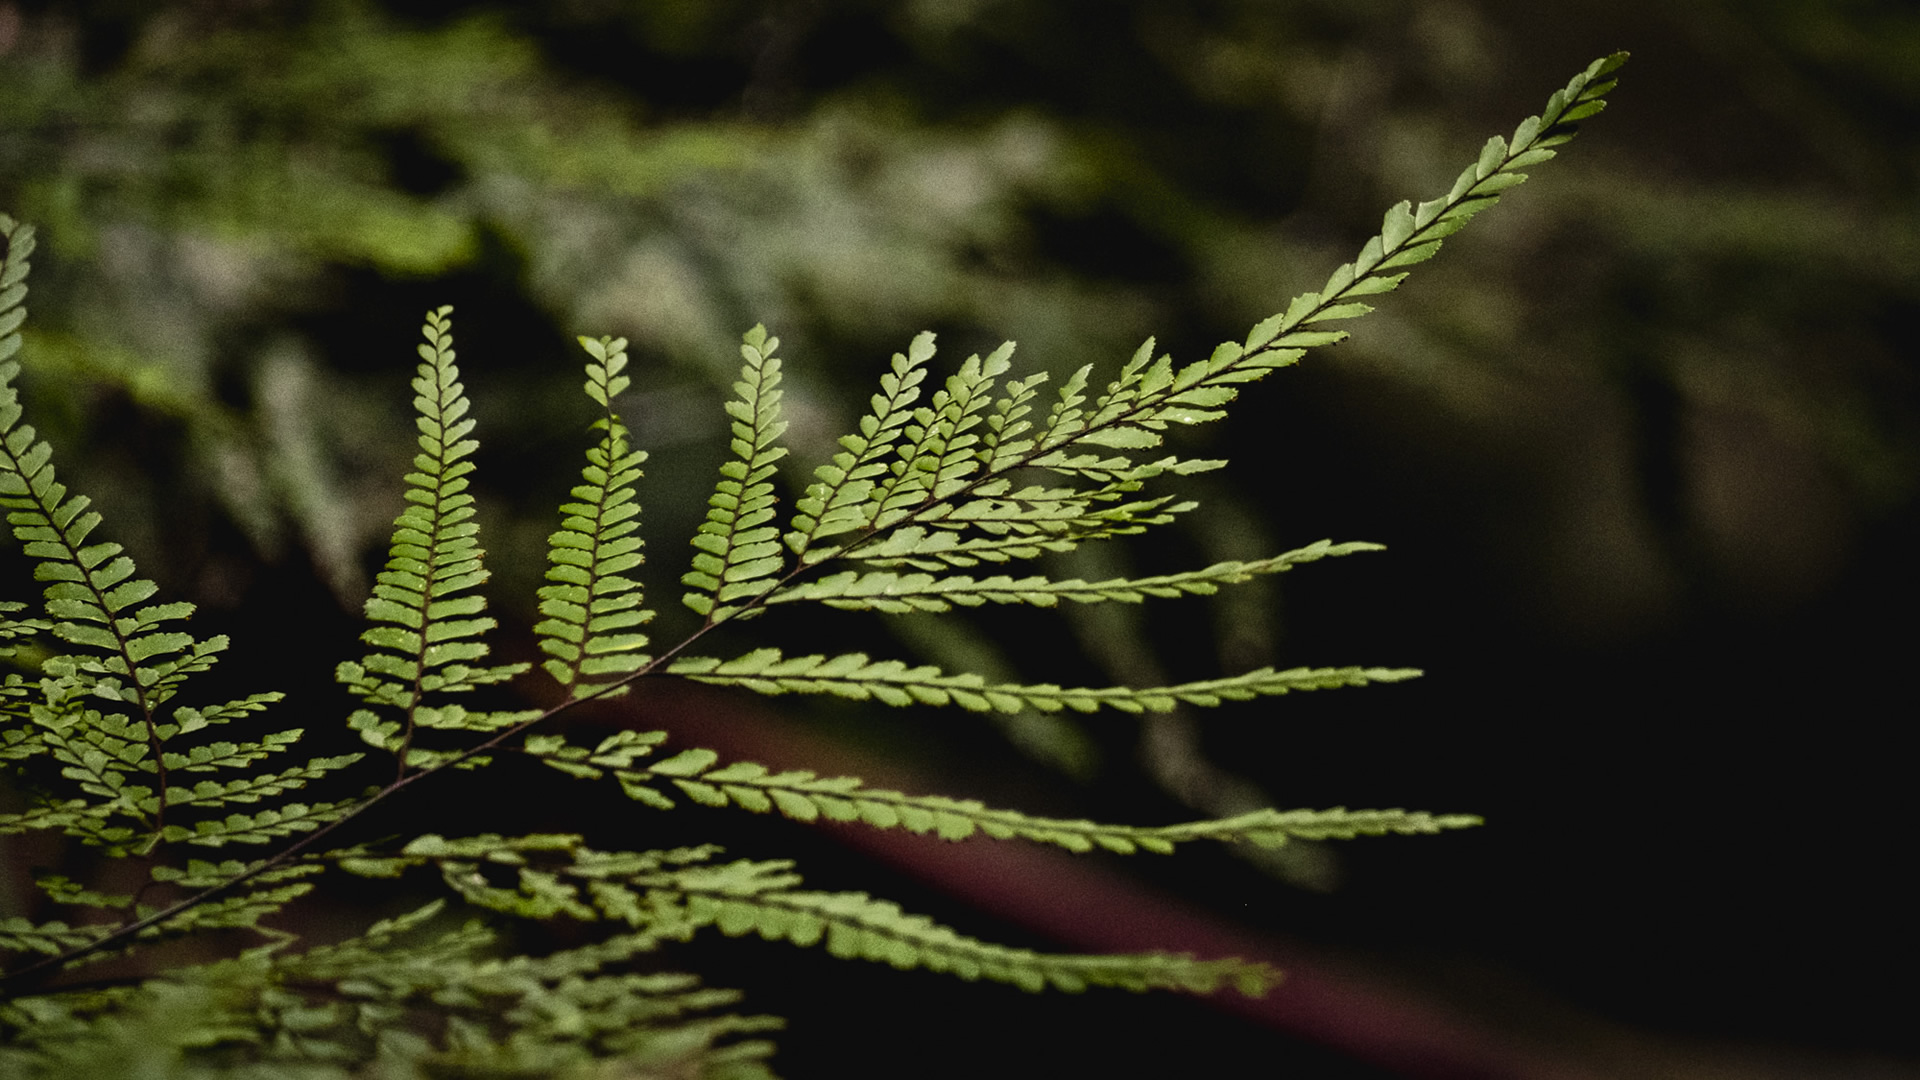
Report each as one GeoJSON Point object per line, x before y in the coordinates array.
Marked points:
{"type": "Point", "coordinates": [740, 547]}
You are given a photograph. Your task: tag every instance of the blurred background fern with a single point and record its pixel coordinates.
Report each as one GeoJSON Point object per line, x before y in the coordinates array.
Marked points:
{"type": "Point", "coordinates": [1643, 446]}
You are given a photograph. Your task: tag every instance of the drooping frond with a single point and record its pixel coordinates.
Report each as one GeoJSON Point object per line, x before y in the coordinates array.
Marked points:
{"type": "Point", "coordinates": [801, 795]}
{"type": "Point", "coordinates": [589, 603]}
{"type": "Point", "coordinates": [737, 549]}
{"type": "Point", "coordinates": [892, 592]}
{"type": "Point", "coordinates": [544, 876]}
{"type": "Point", "coordinates": [892, 682]}
{"type": "Point", "coordinates": [428, 627]}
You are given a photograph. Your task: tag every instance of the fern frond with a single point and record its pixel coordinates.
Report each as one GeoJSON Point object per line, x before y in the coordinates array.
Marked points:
{"type": "Point", "coordinates": [736, 548]}
{"type": "Point", "coordinates": [893, 682]}
{"type": "Point", "coordinates": [53, 938]}
{"type": "Point", "coordinates": [896, 593]}
{"type": "Point", "coordinates": [980, 531]}
{"type": "Point", "coordinates": [840, 499]}
{"type": "Point", "coordinates": [64, 890]}
{"type": "Point", "coordinates": [237, 912]}
{"type": "Point", "coordinates": [428, 632]}
{"type": "Point", "coordinates": [912, 474]}
{"type": "Point", "coordinates": [854, 925]}
{"type": "Point", "coordinates": [554, 875]}
{"type": "Point", "coordinates": [436, 1000]}
{"type": "Point", "coordinates": [261, 828]}
{"type": "Point", "coordinates": [126, 651]}
{"type": "Point", "coordinates": [16, 249]}
{"type": "Point", "coordinates": [227, 755]}
{"type": "Point", "coordinates": [256, 786]}
{"type": "Point", "coordinates": [407, 997]}
{"type": "Point", "coordinates": [77, 816]}
{"type": "Point", "coordinates": [1146, 397]}
{"type": "Point", "coordinates": [937, 455]}
{"type": "Point", "coordinates": [937, 479]}
{"type": "Point", "coordinates": [589, 603]}
{"type": "Point", "coordinates": [802, 796]}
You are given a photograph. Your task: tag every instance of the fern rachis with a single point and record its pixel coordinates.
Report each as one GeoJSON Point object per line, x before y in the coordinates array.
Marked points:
{"type": "Point", "coordinates": [934, 483]}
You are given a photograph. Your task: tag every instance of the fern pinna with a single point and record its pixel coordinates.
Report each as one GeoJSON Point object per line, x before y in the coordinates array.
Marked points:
{"type": "Point", "coordinates": [942, 485]}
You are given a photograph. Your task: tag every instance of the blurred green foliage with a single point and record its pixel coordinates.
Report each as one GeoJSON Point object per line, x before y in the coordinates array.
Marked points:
{"type": "Point", "coordinates": [1670, 392]}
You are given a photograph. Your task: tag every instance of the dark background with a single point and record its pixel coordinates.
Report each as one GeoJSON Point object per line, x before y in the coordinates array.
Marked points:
{"type": "Point", "coordinates": [1641, 441]}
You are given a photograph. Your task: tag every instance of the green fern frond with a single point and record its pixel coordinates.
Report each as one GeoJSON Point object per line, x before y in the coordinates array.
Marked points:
{"type": "Point", "coordinates": [428, 629]}
{"type": "Point", "coordinates": [258, 785]}
{"type": "Point", "coordinates": [981, 530]}
{"type": "Point", "coordinates": [16, 249]}
{"type": "Point", "coordinates": [436, 1000]}
{"type": "Point", "coordinates": [264, 827]}
{"type": "Point", "coordinates": [407, 997]}
{"type": "Point", "coordinates": [854, 925]}
{"type": "Point", "coordinates": [238, 912]}
{"type": "Point", "coordinates": [76, 816]}
{"type": "Point", "coordinates": [53, 938]}
{"type": "Point", "coordinates": [936, 479]}
{"type": "Point", "coordinates": [227, 755]}
{"type": "Point", "coordinates": [937, 455]}
{"type": "Point", "coordinates": [802, 796]}
{"type": "Point", "coordinates": [912, 473]}
{"type": "Point", "coordinates": [126, 652]}
{"type": "Point", "coordinates": [589, 603]}
{"type": "Point", "coordinates": [64, 890]}
{"type": "Point", "coordinates": [893, 682]}
{"type": "Point", "coordinates": [897, 593]}
{"type": "Point", "coordinates": [554, 875]}
{"type": "Point", "coordinates": [840, 499]}
{"type": "Point", "coordinates": [737, 549]}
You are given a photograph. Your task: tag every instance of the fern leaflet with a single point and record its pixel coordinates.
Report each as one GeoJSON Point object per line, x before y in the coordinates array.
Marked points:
{"type": "Point", "coordinates": [427, 616]}
{"type": "Point", "coordinates": [737, 547]}
{"type": "Point", "coordinates": [895, 593]}
{"type": "Point", "coordinates": [892, 682]}
{"type": "Point", "coordinates": [803, 796]}
{"type": "Point", "coordinates": [589, 603]}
